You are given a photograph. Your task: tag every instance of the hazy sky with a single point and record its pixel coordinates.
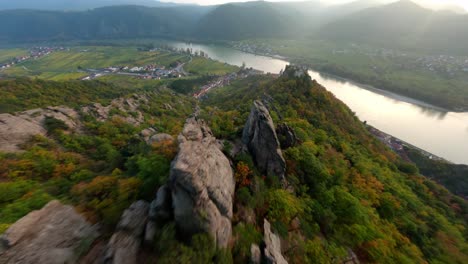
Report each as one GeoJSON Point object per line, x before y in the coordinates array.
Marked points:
{"type": "Point", "coordinates": [432, 3]}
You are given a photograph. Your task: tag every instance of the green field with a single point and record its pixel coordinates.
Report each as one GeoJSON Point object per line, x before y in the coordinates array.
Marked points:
{"type": "Point", "coordinates": [68, 65]}
{"type": "Point", "coordinates": [206, 66]}
{"type": "Point", "coordinates": [8, 54]}
{"type": "Point", "coordinates": [64, 65]}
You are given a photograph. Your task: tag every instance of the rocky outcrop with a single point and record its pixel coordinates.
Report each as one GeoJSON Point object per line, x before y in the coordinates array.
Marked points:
{"type": "Point", "coordinates": [160, 211]}
{"type": "Point", "coordinates": [124, 245]}
{"type": "Point", "coordinates": [126, 109]}
{"type": "Point", "coordinates": [272, 241]}
{"type": "Point", "coordinates": [50, 235]}
{"type": "Point", "coordinates": [151, 136]}
{"type": "Point", "coordinates": [286, 136]}
{"type": "Point", "coordinates": [260, 137]}
{"type": "Point", "coordinates": [255, 254]}
{"type": "Point", "coordinates": [160, 137]}
{"type": "Point", "coordinates": [18, 128]}
{"type": "Point", "coordinates": [202, 184]}
{"type": "Point", "coordinates": [351, 258]}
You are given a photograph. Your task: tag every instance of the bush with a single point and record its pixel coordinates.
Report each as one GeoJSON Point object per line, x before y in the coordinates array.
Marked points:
{"type": "Point", "coordinates": [283, 206]}
{"type": "Point", "coordinates": [53, 125]}
{"type": "Point", "coordinates": [245, 235]}
{"type": "Point", "coordinates": [408, 168]}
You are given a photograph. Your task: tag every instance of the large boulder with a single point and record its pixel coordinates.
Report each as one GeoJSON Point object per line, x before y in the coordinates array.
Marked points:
{"type": "Point", "coordinates": [272, 241]}
{"type": "Point", "coordinates": [125, 243]}
{"type": "Point", "coordinates": [202, 184]}
{"type": "Point", "coordinates": [18, 128]}
{"type": "Point", "coordinates": [260, 137]}
{"type": "Point", "coordinates": [51, 235]}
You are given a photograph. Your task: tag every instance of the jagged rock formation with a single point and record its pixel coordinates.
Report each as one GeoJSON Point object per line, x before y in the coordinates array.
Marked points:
{"type": "Point", "coordinates": [50, 235]}
{"type": "Point", "coordinates": [272, 241]}
{"type": "Point", "coordinates": [260, 137]}
{"type": "Point", "coordinates": [124, 245]}
{"type": "Point", "coordinates": [202, 184]}
{"type": "Point", "coordinates": [124, 108]}
{"type": "Point", "coordinates": [18, 128]}
{"type": "Point", "coordinates": [286, 136]}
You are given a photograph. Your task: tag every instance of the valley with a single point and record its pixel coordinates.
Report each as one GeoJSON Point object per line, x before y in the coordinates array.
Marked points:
{"type": "Point", "coordinates": [315, 132]}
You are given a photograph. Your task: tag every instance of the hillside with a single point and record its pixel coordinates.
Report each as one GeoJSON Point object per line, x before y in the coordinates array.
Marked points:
{"type": "Point", "coordinates": [242, 21]}
{"type": "Point", "coordinates": [224, 22]}
{"type": "Point", "coordinates": [100, 23]}
{"type": "Point", "coordinates": [402, 25]}
{"type": "Point", "coordinates": [298, 178]}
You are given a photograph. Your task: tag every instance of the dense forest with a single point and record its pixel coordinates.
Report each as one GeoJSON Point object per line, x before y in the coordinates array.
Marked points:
{"type": "Point", "coordinates": [347, 191]}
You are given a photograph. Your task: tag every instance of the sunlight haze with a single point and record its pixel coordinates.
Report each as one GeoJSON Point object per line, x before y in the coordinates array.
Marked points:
{"type": "Point", "coordinates": [428, 3]}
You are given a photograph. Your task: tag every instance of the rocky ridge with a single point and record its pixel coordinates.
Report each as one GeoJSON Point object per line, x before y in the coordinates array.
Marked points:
{"type": "Point", "coordinates": [260, 137]}
{"type": "Point", "coordinates": [16, 129]}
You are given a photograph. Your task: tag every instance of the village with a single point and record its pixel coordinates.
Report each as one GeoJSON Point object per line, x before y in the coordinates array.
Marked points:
{"type": "Point", "coordinates": [399, 146]}
{"type": "Point", "coordinates": [442, 64]}
{"type": "Point", "coordinates": [151, 72]}
{"type": "Point", "coordinates": [225, 80]}
{"type": "Point", "coordinates": [34, 54]}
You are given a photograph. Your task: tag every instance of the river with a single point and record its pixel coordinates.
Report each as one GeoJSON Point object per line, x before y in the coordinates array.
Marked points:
{"type": "Point", "coordinates": [435, 130]}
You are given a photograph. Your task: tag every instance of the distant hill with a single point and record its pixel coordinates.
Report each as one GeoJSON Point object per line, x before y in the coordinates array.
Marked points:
{"type": "Point", "coordinates": [106, 22]}
{"type": "Point", "coordinates": [403, 24]}
{"type": "Point", "coordinates": [74, 4]}
{"type": "Point", "coordinates": [261, 19]}
{"type": "Point", "coordinates": [241, 21]}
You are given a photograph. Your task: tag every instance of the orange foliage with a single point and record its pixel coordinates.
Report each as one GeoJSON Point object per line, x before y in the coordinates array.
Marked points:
{"type": "Point", "coordinates": [243, 174]}
{"type": "Point", "coordinates": [166, 148]}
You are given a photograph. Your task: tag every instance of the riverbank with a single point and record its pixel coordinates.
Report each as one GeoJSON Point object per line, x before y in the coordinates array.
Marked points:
{"type": "Point", "coordinates": [400, 146]}
{"type": "Point", "coordinates": [400, 73]}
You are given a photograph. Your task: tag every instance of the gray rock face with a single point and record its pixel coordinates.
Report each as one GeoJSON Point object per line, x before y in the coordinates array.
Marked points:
{"type": "Point", "coordinates": [351, 258]}
{"type": "Point", "coordinates": [18, 128]}
{"type": "Point", "coordinates": [124, 245]}
{"type": "Point", "coordinates": [286, 135]}
{"type": "Point", "coordinates": [202, 184]}
{"type": "Point", "coordinates": [255, 254]}
{"type": "Point", "coordinates": [160, 211]}
{"type": "Point", "coordinates": [160, 138]}
{"type": "Point", "coordinates": [161, 207]}
{"type": "Point", "coordinates": [129, 106]}
{"type": "Point", "coordinates": [272, 246]}
{"type": "Point", "coordinates": [50, 235]}
{"type": "Point", "coordinates": [260, 137]}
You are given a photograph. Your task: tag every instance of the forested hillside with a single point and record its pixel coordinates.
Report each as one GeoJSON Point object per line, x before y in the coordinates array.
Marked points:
{"type": "Point", "coordinates": [343, 195]}
{"type": "Point", "coordinates": [350, 190]}
{"type": "Point", "coordinates": [100, 23]}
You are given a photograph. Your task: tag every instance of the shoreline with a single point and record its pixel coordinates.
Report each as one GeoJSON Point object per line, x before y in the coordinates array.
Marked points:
{"type": "Point", "coordinates": [370, 87]}
{"type": "Point", "coordinates": [398, 145]}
